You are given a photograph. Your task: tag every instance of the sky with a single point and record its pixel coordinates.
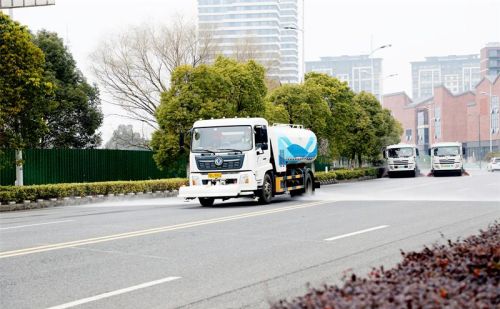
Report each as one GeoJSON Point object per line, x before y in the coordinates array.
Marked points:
{"type": "Point", "coordinates": [415, 29]}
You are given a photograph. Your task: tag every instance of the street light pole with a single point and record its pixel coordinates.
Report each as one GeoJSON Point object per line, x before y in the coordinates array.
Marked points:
{"type": "Point", "coordinates": [381, 87]}
{"type": "Point", "coordinates": [371, 61]}
{"type": "Point", "coordinates": [479, 138]}
{"type": "Point", "coordinates": [491, 112]}
{"type": "Point", "coordinates": [490, 95]}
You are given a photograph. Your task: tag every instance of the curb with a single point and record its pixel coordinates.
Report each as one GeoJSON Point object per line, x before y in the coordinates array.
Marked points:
{"type": "Point", "coordinates": [79, 200]}
{"type": "Point", "coordinates": [335, 181]}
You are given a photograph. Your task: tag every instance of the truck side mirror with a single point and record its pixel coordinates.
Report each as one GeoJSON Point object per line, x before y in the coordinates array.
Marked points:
{"type": "Point", "coordinates": [384, 154]}
{"type": "Point", "coordinates": [429, 151]}
{"type": "Point", "coordinates": [463, 151]}
{"type": "Point", "coordinates": [416, 151]}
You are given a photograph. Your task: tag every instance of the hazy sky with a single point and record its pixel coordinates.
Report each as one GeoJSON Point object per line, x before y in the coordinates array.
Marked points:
{"type": "Point", "coordinates": [415, 28]}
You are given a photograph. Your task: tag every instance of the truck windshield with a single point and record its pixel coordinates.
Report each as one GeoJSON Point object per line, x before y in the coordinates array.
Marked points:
{"type": "Point", "coordinates": [400, 152]}
{"type": "Point", "coordinates": [447, 151]}
{"type": "Point", "coordinates": [212, 139]}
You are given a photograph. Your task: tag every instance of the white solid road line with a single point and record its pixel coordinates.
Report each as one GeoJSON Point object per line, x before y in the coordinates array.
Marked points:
{"type": "Point", "coordinates": [36, 224]}
{"type": "Point", "coordinates": [114, 293]}
{"type": "Point", "coordinates": [358, 232]}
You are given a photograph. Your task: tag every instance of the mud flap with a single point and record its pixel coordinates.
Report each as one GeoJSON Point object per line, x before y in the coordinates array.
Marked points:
{"type": "Point", "coordinates": [316, 184]}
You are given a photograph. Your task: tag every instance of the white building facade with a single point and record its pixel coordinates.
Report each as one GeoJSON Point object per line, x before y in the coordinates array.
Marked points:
{"type": "Point", "coordinates": [361, 72]}
{"type": "Point", "coordinates": [264, 30]}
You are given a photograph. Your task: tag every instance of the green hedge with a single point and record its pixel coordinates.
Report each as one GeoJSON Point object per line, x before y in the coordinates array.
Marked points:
{"type": "Point", "coordinates": [19, 194]}
{"type": "Point", "coordinates": [346, 174]}
{"type": "Point", "coordinates": [32, 193]}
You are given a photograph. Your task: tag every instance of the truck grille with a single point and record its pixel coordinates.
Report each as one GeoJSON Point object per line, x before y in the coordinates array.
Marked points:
{"type": "Point", "coordinates": [402, 162]}
{"type": "Point", "coordinates": [446, 161]}
{"type": "Point", "coordinates": [207, 163]}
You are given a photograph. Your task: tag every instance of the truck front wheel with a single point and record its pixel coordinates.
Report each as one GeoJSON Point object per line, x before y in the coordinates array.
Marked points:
{"type": "Point", "coordinates": [266, 193]}
{"type": "Point", "coordinates": [206, 201]}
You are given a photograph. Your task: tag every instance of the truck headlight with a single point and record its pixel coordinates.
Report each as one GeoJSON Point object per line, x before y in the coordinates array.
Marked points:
{"type": "Point", "coordinates": [244, 179]}
{"type": "Point", "coordinates": [195, 180]}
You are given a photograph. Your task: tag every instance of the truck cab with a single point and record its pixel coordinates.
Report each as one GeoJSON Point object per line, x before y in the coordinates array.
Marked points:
{"type": "Point", "coordinates": [402, 160]}
{"type": "Point", "coordinates": [447, 158]}
{"type": "Point", "coordinates": [244, 157]}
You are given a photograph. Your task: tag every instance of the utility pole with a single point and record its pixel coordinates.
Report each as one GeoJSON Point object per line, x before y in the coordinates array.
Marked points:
{"type": "Point", "coordinates": [479, 138]}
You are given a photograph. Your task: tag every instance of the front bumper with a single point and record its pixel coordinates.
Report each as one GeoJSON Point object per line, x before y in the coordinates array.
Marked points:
{"type": "Point", "coordinates": [401, 168]}
{"type": "Point", "coordinates": [244, 184]}
{"type": "Point", "coordinates": [217, 191]}
{"type": "Point", "coordinates": [447, 167]}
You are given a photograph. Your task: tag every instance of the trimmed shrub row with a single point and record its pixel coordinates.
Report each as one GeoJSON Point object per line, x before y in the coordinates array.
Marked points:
{"type": "Point", "coordinates": [464, 274]}
{"type": "Point", "coordinates": [19, 194]}
{"type": "Point", "coordinates": [346, 174]}
{"type": "Point", "coordinates": [32, 193]}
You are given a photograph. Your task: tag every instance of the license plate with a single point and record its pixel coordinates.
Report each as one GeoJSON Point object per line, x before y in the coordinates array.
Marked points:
{"type": "Point", "coordinates": [447, 165]}
{"type": "Point", "coordinates": [214, 175]}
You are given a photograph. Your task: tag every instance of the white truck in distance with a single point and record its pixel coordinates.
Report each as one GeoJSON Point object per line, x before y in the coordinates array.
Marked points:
{"type": "Point", "coordinates": [402, 160]}
{"type": "Point", "coordinates": [446, 158]}
{"type": "Point", "coordinates": [245, 157]}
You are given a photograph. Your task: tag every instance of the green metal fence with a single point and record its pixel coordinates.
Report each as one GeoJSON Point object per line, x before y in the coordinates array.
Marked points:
{"type": "Point", "coordinates": [44, 166]}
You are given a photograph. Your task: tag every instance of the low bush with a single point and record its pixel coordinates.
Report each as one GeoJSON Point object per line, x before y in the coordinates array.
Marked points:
{"type": "Point", "coordinates": [464, 274]}
{"type": "Point", "coordinates": [346, 174]}
{"type": "Point", "coordinates": [19, 194]}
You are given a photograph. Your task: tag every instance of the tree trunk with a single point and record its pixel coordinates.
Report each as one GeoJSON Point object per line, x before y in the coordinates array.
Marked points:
{"type": "Point", "coordinates": [19, 168]}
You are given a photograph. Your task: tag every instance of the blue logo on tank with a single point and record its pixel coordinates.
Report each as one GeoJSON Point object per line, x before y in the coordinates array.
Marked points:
{"type": "Point", "coordinates": [293, 153]}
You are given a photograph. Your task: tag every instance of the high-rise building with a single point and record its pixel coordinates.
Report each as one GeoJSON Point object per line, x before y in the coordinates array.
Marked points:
{"type": "Point", "coordinates": [457, 73]}
{"type": "Point", "coordinates": [361, 72]}
{"type": "Point", "coordinates": [264, 30]}
{"type": "Point", "coordinates": [490, 60]}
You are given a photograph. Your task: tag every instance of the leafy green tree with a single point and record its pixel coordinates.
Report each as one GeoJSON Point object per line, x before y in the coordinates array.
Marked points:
{"type": "Point", "coordinates": [76, 116]}
{"type": "Point", "coordinates": [24, 89]}
{"type": "Point", "coordinates": [303, 104]}
{"type": "Point", "coordinates": [225, 89]}
{"type": "Point", "coordinates": [383, 126]}
{"type": "Point", "coordinates": [331, 89]}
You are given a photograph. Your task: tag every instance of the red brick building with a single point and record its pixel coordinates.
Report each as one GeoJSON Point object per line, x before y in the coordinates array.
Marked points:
{"type": "Point", "coordinates": [470, 117]}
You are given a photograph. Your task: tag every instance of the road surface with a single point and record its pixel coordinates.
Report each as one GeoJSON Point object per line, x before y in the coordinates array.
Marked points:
{"type": "Point", "coordinates": [167, 253]}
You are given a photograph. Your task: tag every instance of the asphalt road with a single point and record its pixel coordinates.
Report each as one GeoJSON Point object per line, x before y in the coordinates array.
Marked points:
{"type": "Point", "coordinates": [167, 253]}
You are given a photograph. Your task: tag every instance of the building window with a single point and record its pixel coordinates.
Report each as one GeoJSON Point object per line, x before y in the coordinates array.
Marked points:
{"type": "Point", "coordinates": [408, 135]}
{"type": "Point", "coordinates": [495, 116]}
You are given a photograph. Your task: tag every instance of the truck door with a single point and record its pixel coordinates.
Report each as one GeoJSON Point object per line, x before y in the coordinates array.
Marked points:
{"type": "Point", "coordinates": [263, 152]}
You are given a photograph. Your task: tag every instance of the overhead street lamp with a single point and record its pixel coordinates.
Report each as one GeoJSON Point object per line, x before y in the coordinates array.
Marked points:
{"type": "Point", "coordinates": [371, 60]}
{"type": "Point", "coordinates": [303, 50]}
{"type": "Point", "coordinates": [381, 87]}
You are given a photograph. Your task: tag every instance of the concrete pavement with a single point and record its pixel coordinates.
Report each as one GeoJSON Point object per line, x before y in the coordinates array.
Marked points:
{"type": "Point", "coordinates": [167, 253]}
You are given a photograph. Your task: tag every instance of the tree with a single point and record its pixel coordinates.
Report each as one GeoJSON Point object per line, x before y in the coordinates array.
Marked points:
{"type": "Point", "coordinates": [125, 138]}
{"type": "Point", "coordinates": [303, 105]}
{"type": "Point", "coordinates": [133, 67]}
{"type": "Point", "coordinates": [225, 89]}
{"type": "Point", "coordinates": [383, 126]}
{"type": "Point", "coordinates": [76, 116]}
{"type": "Point", "coordinates": [25, 92]}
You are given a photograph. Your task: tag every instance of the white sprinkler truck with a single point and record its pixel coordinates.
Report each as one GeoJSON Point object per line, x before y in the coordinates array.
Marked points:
{"type": "Point", "coordinates": [245, 157]}
{"type": "Point", "coordinates": [402, 159]}
{"type": "Point", "coordinates": [447, 158]}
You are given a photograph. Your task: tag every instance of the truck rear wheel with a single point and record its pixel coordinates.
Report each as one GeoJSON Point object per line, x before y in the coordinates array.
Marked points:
{"type": "Point", "coordinates": [206, 201]}
{"type": "Point", "coordinates": [266, 193]}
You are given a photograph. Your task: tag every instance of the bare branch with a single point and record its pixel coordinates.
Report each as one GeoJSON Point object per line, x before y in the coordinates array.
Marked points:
{"type": "Point", "coordinates": [133, 67]}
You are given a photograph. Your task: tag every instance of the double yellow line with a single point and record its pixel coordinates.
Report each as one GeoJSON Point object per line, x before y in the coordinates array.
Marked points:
{"type": "Point", "coordinates": [181, 226]}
